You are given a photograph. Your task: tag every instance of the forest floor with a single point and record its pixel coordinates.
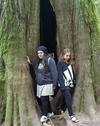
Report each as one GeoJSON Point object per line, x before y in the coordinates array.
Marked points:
{"type": "Point", "coordinates": [63, 120]}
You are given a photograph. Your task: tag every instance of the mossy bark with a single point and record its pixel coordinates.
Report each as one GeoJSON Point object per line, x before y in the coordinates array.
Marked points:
{"type": "Point", "coordinates": [19, 37]}
{"type": "Point", "coordinates": [97, 2]}
{"type": "Point", "coordinates": [96, 52]}
{"type": "Point", "coordinates": [2, 91]}
{"type": "Point", "coordinates": [78, 29]}
{"type": "Point", "coordinates": [62, 11]}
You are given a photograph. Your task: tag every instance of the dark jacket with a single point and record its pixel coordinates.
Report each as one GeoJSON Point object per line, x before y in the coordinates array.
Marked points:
{"type": "Point", "coordinates": [66, 75]}
{"type": "Point", "coordinates": [49, 76]}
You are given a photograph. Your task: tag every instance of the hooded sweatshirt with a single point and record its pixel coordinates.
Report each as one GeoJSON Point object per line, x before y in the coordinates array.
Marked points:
{"type": "Point", "coordinates": [49, 75]}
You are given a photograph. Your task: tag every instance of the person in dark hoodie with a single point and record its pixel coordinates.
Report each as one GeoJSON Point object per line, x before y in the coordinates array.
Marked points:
{"type": "Point", "coordinates": [66, 79]}
{"type": "Point", "coordinates": [46, 78]}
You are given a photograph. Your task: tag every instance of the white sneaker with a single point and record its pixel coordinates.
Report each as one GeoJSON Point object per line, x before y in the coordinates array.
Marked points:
{"type": "Point", "coordinates": [73, 119]}
{"type": "Point", "coordinates": [50, 114]}
{"type": "Point", "coordinates": [43, 119]}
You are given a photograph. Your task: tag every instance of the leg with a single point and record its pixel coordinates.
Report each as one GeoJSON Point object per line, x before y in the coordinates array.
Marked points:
{"type": "Point", "coordinates": [44, 105]}
{"type": "Point", "coordinates": [67, 96]}
{"type": "Point", "coordinates": [50, 113]}
{"type": "Point", "coordinates": [63, 105]}
{"type": "Point", "coordinates": [49, 107]}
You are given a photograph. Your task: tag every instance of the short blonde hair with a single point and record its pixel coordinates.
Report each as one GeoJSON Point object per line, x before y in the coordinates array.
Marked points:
{"type": "Point", "coordinates": [63, 53]}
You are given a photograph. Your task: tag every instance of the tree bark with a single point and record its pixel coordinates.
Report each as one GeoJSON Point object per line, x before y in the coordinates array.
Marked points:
{"type": "Point", "coordinates": [19, 37]}
{"type": "Point", "coordinates": [97, 3]}
{"type": "Point", "coordinates": [96, 53]}
{"type": "Point", "coordinates": [78, 30]}
{"type": "Point", "coordinates": [2, 91]}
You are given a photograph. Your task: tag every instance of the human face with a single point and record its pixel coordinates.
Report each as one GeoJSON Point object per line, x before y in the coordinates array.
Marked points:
{"type": "Point", "coordinates": [40, 54]}
{"type": "Point", "coordinates": [67, 56]}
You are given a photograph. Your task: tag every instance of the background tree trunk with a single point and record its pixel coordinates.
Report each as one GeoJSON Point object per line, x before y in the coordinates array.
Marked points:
{"type": "Point", "coordinates": [97, 2]}
{"type": "Point", "coordinates": [78, 29]}
{"type": "Point", "coordinates": [2, 91]}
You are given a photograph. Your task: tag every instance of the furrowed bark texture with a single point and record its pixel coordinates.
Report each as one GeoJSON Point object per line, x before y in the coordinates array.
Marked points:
{"type": "Point", "coordinates": [19, 37]}
{"type": "Point", "coordinates": [97, 59]}
{"type": "Point", "coordinates": [2, 91]}
{"type": "Point", "coordinates": [97, 2]}
{"type": "Point", "coordinates": [78, 29]}
{"type": "Point", "coordinates": [62, 10]}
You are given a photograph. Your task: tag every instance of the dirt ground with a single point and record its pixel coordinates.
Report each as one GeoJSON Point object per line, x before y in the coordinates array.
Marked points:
{"type": "Point", "coordinates": [63, 120]}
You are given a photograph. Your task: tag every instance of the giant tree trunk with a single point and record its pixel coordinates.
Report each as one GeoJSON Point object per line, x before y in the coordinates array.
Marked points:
{"type": "Point", "coordinates": [19, 37]}
{"type": "Point", "coordinates": [78, 29]}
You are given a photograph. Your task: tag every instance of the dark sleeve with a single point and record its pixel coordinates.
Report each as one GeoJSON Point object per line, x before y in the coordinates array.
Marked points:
{"type": "Point", "coordinates": [74, 78]}
{"type": "Point", "coordinates": [60, 74]}
{"type": "Point", "coordinates": [53, 70]}
{"type": "Point", "coordinates": [31, 66]}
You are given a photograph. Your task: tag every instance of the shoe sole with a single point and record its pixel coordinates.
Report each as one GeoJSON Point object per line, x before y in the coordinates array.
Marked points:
{"type": "Point", "coordinates": [45, 120]}
{"type": "Point", "coordinates": [74, 120]}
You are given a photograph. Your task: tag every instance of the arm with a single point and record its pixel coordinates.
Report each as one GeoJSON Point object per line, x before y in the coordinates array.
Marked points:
{"type": "Point", "coordinates": [74, 78]}
{"type": "Point", "coordinates": [53, 70]}
{"type": "Point", "coordinates": [30, 64]}
{"type": "Point", "coordinates": [60, 74]}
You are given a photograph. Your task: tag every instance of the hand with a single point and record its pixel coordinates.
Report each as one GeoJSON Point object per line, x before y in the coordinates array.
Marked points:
{"type": "Point", "coordinates": [28, 60]}
{"type": "Point", "coordinates": [53, 88]}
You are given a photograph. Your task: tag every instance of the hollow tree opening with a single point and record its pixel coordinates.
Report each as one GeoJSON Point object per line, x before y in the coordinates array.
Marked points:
{"type": "Point", "coordinates": [48, 27]}
{"type": "Point", "coordinates": [48, 30]}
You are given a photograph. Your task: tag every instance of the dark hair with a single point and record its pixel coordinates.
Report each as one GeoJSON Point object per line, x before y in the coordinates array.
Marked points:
{"type": "Point", "coordinates": [63, 53]}
{"type": "Point", "coordinates": [37, 61]}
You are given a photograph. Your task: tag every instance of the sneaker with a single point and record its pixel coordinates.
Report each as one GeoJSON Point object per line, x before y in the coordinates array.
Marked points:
{"type": "Point", "coordinates": [50, 114]}
{"type": "Point", "coordinates": [61, 111]}
{"type": "Point", "coordinates": [43, 119]}
{"type": "Point", "coordinates": [73, 119]}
